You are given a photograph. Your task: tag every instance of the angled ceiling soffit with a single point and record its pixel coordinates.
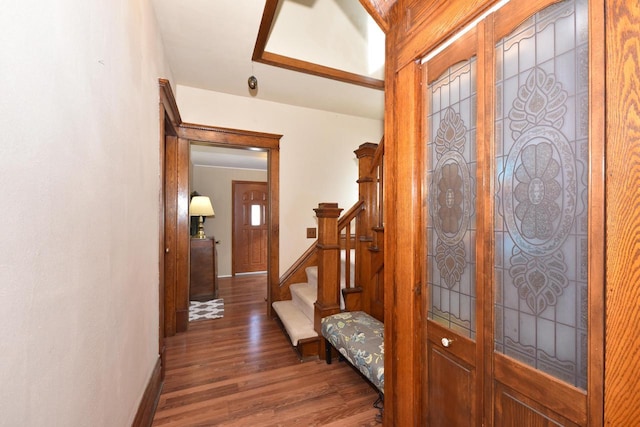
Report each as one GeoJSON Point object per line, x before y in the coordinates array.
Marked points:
{"type": "Point", "coordinates": [260, 53]}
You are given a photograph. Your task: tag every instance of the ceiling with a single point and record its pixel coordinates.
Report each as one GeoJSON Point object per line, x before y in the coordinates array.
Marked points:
{"type": "Point", "coordinates": [209, 44]}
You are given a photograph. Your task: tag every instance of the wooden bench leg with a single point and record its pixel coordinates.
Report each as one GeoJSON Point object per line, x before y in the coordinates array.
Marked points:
{"type": "Point", "coordinates": [327, 351]}
{"type": "Point", "coordinates": [379, 405]}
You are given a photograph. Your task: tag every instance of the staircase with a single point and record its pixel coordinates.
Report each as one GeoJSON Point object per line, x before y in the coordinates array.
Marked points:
{"type": "Point", "coordinates": [297, 314]}
{"type": "Point", "coordinates": [343, 269]}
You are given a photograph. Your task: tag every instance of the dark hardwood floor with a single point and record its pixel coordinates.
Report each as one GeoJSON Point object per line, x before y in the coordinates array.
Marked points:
{"type": "Point", "coordinates": [241, 370]}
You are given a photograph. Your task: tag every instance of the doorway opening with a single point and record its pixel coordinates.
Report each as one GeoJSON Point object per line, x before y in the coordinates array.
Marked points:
{"type": "Point", "coordinates": [216, 172]}
{"type": "Point", "coordinates": [174, 233]}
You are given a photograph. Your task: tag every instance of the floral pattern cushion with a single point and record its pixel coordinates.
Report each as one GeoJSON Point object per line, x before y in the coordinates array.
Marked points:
{"type": "Point", "coordinates": [359, 337]}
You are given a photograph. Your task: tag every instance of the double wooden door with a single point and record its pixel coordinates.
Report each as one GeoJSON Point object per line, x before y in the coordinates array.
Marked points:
{"type": "Point", "coordinates": [513, 327]}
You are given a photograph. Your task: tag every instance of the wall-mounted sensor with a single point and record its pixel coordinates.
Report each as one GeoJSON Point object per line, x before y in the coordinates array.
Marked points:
{"type": "Point", "coordinates": [252, 82]}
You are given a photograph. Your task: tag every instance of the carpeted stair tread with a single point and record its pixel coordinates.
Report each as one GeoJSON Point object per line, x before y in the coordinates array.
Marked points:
{"type": "Point", "coordinates": [304, 297]}
{"type": "Point", "coordinates": [312, 275]}
{"type": "Point", "coordinates": [297, 325]}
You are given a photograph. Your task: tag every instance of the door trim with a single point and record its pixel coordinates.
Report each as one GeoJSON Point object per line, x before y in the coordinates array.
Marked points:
{"type": "Point", "coordinates": [169, 121]}
{"type": "Point", "coordinates": [235, 138]}
{"type": "Point", "coordinates": [222, 137]}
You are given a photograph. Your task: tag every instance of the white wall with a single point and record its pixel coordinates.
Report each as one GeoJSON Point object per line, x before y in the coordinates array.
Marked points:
{"type": "Point", "coordinates": [216, 183]}
{"type": "Point", "coordinates": [79, 196]}
{"type": "Point", "coordinates": [317, 163]}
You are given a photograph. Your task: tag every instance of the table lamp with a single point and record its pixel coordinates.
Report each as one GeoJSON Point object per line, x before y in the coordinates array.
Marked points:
{"type": "Point", "coordinates": [200, 206]}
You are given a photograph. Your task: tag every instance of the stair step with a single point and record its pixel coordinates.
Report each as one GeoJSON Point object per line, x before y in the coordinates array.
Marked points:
{"type": "Point", "coordinates": [297, 325]}
{"type": "Point", "coordinates": [304, 297]}
{"type": "Point", "coordinates": [312, 275]}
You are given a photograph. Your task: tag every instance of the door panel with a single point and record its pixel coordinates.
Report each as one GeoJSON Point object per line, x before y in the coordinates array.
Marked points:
{"type": "Point", "coordinates": [543, 389]}
{"type": "Point", "coordinates": [451, 377]}
{"type": "Point", "coordinates": [250, 226]}
{"type": "Point", "coordinates": [541, 229]}
{"type": "Point", "coordinates": [514, 409]}
{"type": "Point", "coordinates": [542, 171]}
{"type": "Point", "coordinates": [451, 230]}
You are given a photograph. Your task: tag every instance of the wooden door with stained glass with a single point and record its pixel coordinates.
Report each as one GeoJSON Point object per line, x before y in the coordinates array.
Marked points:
{"type": "Point", "coordinates": [509, 234]}
{"type": "Point", "coordinates": [542, 162]}
{"type": "Point", "coordinates": [451, 274]}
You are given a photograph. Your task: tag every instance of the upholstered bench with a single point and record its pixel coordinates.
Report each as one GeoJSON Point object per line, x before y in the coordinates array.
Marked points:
{"type": "Point", "coordinates": [359, 338]}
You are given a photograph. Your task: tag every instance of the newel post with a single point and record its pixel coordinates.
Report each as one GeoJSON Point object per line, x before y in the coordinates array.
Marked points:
{"type": "Point", "coordinates": [368, 193]}
{"type": "Point", "coordinates": [328, 300]}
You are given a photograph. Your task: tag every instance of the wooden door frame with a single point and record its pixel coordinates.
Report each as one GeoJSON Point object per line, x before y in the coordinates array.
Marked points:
{"type": "Point", "coordinates": [234, 138]}
{"type": "Point", "coordinates": [169, 122]}
{"type": "Point", "coordinates": [174, 296]}
{"type": "Point", "coordinates": [233, 219]}
{"type": "Point", "coordinates": [222, 137]}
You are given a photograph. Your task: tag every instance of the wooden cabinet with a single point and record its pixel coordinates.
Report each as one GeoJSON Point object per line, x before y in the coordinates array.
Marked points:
{"type": "Point", "coordinates": [203, 283]}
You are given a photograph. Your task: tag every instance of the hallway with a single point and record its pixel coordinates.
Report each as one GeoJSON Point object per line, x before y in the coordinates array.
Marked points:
{"type": "Point", "coordinates": [240, 370]}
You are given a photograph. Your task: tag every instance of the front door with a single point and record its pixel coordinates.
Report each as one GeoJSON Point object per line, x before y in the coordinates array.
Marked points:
{"type": "Point", "coordinates": [250, 208]}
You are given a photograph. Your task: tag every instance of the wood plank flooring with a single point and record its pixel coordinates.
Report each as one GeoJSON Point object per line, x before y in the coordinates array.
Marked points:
{"type": "Point", "coordinates": [241, 370]}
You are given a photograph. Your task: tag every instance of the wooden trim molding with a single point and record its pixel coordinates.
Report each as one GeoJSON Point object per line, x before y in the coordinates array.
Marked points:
{"type": "Point", "coordinates": [169, 102]}
{"type": "Point", "coordinates": [235, 138]}
{"type": "Point", "coordinates": [270, 58]}
{"type": "Point", "coordinates": [150, 398]}
{"type": "Point", "coordinates": [431, 23]}
{"type": "Point", "coordinates": [622, 173]}
{"type": "Point", "coordinates": [169, 120]}
{"type": "Point", "coordinates": [379, 11]}
{"type": "Point", "coordinates": [224, 136]}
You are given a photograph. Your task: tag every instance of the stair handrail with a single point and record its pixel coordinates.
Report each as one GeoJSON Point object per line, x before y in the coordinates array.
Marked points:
{"type": "Point", "coordinates": [378, 156]}
{"type": "Point", "coordinates": [350, 215]}
{"type": "Point", "coordinates": [377, 168]}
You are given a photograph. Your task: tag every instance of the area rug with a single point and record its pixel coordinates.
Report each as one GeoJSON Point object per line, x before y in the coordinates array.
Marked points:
{"type": "Point", "coordinates": [201, 310]}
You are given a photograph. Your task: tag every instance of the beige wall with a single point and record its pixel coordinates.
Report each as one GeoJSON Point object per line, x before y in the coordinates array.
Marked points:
{"type": "Point", "coordinates": [216, 182]}
{"type": "Point", "coordinates": [79, 196]}
{"type": "Point", "coordinates": [317, 163]}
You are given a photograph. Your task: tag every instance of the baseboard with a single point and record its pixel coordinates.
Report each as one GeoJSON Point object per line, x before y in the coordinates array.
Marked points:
{"type": "Point", "coordinates": [147, 408]}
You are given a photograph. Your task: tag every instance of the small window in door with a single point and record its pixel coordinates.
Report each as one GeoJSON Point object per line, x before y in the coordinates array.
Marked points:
{"type": "Point", "coordinates": [256, 217]}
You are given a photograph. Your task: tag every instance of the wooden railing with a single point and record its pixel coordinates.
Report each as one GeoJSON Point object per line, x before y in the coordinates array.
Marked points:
{"type": "Point", "coordinates": [351, 240]}
{"type": "Point", "coordinates": [360, 228]}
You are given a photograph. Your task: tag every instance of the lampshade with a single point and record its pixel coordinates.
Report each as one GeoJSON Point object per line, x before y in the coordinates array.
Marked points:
{"type": "Point", "coordinates": [201, 206]}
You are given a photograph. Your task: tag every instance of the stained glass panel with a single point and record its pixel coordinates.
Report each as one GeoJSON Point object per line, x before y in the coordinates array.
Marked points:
{"type": "Point", "coordinates": [541, 212]}
{"type": "Point", "coordinates": [451, 168]}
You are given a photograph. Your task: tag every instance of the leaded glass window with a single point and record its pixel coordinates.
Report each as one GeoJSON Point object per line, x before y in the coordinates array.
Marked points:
{"type": "Point", "coordinates": [451, 168]}
{"type": "Point", "coordinates": [541, 147]}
